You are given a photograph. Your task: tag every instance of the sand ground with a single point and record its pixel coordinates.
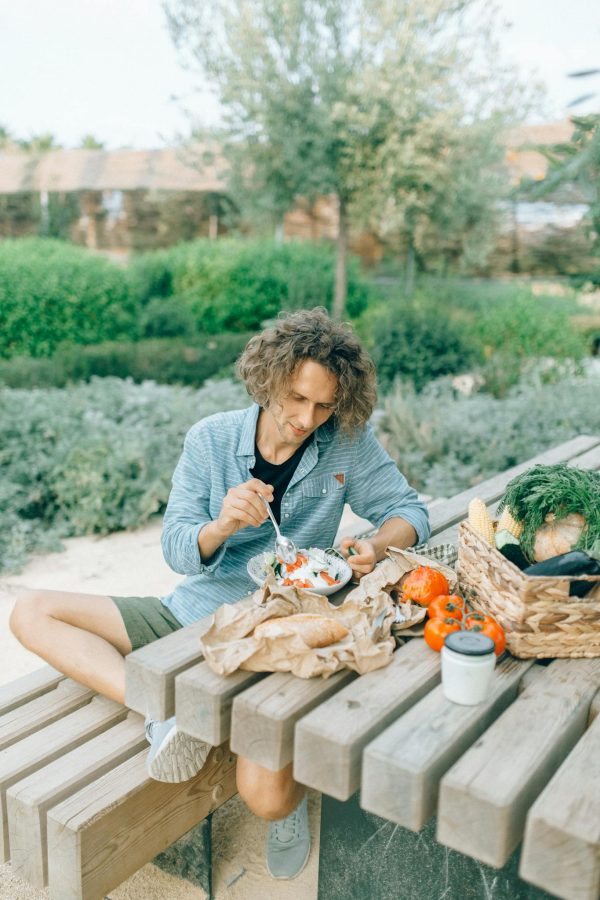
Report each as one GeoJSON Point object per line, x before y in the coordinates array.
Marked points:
{"type": "Point", "coordinates": [131, 563]}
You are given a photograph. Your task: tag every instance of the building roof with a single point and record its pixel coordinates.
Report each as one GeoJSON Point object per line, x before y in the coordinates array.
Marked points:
{"type": "Point", "coordinates": [524, 162]}
{"type": "Point", "coordinates": [186, 169]}
{"type": "Point", "coordinates": [171, 169]}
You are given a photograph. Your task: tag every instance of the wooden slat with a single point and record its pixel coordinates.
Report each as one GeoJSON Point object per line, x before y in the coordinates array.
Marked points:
{"type": "Point", "coordinates": [203, 701]}
{"type": "Point", "coordinates": [589, 460]}
{"type": "Point", "coordinates": [402, 767]}
{"type": "Point", "coordinates": [484, 798]}
{"type": "Point", "coordinates": [46, 744]}
{"type": "Point", "coordinates": [28, 687]}
{"type": "Point", "coordinates": [561, 849]}
{"type": "Point", "coordinates": [28, 801]}
{"type": "Point", "coordinates": [150, 671]}
{"type": "Point", "coordinates": [24, 720]}
{"type": "Point", "coordinates": [594, 708]}
{"type": "Point", "coordinates": [264, 716]}
{"type": "Point", "coordinates": [455, 509]}
{"type": "Point", "coordinates": [104, 833]}
{"type": "Point", "coordinates": [330, 739]}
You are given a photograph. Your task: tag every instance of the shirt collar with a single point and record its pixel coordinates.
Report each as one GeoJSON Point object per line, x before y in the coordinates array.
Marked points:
{"type": "Point", "coordinates": [323, 433]}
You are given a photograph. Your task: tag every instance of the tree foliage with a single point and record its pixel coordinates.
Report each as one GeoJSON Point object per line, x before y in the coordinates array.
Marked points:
{"type": "Point", "coordinates": [575, 163]}
{"type": "Point", "coordinates": [392, 107]}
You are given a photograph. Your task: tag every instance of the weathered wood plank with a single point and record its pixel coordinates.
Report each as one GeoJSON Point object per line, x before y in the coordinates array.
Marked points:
{"type": "Point", "coordinates": [29, 799]}
{"type": "Point", "coordinates": [264, 716]}
{"type": "Point", "coordinates": [492, 489]}
{"type": "Point", "coordinates": [402, 767]}
{"type": "Point", "coordinates": [589, 460]}
{"type": "Point", "coordinates": [594, 708]}
{"type": "Point", "coordinates": [28, 687]}
{"type": "Point", "coordinates": [29, 717]}
{"type": "Point", "coordinates": [329, 741]}
{"type": "Point", "coordinates": [102, 834]}
{"type": "Point", "coordinates": [203, 701]}
{"type": "Point", "coordinates": [485, 796]}
{"type": "Point", "coordinates": [46, 744]}
{"type": "Point", "coordinates": [150, 671]}
{"type": "Point", "coordinates": [561, 848]}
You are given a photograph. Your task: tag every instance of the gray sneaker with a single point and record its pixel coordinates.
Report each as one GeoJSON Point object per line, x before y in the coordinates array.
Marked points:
{"type": "Point", "coordinates": [288, 843]}
{"type": "Point", "coordinates": [174, 756]}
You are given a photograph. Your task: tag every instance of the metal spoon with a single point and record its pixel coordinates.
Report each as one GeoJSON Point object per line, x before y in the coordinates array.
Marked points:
{"type": "Point", "coordinates": [284, 547]}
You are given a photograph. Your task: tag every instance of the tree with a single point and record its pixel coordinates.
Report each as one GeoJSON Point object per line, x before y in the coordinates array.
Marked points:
{"type": "Point", "coordinates": [575, 163]}
{"type": "Point", "coordinates": [363, 100]}
{"type": "Point", "coordinates": [40, 143]}
{"type": "Point", "coordinates": [89, 142]}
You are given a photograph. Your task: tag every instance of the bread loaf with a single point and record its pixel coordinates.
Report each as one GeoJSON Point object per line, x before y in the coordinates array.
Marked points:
{"type": "Point", "coordinates": [315, 631]}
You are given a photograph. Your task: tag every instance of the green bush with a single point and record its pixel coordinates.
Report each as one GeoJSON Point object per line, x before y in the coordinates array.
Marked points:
{"type": "Point", "coordinates": [503, 327]}
{"type": "Point", "coordinates": [235, 285]}
{"type": "Point", "coordinates": [52, 292]}
{"type": "Point", "coordinates": [445, 443]}
{"type": "Point", "coordinates": [416, 341]}
{"type": "Point", "coordinates": [167, 361]}
{"type": "Point", "coordinates": [167, 317]}
{"type": "Point", "coordinates": [93, 458]}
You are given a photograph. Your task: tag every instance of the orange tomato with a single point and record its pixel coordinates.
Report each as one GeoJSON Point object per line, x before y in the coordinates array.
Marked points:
{"type": "Point", "coordinates": [448, 606]}
{"type": "Point", "coordinates": [437, 629]}
{"type": "Point", "coordinates": [327, 578]}
{"type": "Point", "coordinates": [487, 625]}
{"type": "Point", "coordinates": [423, 584]}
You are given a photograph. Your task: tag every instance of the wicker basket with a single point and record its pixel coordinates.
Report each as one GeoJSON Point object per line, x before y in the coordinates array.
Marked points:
{"type": "Point", "coordinates": [537, 613]}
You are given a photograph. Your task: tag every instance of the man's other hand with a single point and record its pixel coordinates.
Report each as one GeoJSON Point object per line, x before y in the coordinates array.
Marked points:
{"type": "Point", "coordinates": [362, 559]}
{"type": "Point", "coordinates": [243, 507]}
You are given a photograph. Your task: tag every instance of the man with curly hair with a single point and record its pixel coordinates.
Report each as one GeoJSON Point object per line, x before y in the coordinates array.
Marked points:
{"type": "Point", "coordinates": [306, 446]}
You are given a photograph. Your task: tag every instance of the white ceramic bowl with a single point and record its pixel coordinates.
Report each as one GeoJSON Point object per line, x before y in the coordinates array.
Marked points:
{"type": "Point", "coordinates": [258, 570]}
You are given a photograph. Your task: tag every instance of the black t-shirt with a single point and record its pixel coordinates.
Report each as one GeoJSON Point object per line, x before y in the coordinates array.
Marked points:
{"type": "Point", "coordinates": [278, 475]}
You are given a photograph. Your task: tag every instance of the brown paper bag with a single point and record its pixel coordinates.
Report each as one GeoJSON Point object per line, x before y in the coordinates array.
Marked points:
{"type": "Point", "coordinates": [386, 580]}
{"type": "Point", "coordinates": [229, 644]}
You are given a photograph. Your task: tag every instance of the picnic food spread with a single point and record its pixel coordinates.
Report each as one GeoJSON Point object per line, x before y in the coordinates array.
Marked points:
{"type": "Point", "coordinates": [315, 630]}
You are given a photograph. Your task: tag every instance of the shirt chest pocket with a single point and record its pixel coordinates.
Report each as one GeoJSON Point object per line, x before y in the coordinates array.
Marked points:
{"type": "Point", "coordinates": [324, 491]}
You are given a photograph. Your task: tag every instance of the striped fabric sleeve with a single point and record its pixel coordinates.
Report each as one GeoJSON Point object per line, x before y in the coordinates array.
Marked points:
{"type": "Point", "coordinates": [378, 491]}
{"type": "Point", "coordinates": [188, 512]}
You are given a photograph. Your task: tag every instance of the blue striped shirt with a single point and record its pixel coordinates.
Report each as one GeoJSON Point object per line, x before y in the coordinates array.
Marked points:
{"type": "Point", "coordinates": [218, 453]}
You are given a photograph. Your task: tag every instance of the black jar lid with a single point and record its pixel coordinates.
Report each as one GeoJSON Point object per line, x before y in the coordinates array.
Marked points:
{"type": "Point", "coordinates": [469, 643]}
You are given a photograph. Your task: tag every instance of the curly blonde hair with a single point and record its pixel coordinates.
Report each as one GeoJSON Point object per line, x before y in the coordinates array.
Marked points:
{"type": "Point", "coordinates": [271, 358]}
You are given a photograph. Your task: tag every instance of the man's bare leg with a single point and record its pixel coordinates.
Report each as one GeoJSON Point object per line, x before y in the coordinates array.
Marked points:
{"type": "Point", "coordinates": [82, 635]}
{"type": "Point", "coordinates": [270, 795]}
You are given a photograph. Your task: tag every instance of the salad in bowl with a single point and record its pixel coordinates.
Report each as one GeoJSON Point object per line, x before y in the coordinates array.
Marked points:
{"type": "Point", "coordinates": [319, 571]}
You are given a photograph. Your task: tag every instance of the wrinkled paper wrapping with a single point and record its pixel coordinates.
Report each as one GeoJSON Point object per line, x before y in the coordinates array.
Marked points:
{"type": "Point", "coordinates": [368, 612]}
{"type": "Point", "coordinates": [387, 579]}
{"type": "Point", "coordinates": [229, 644]}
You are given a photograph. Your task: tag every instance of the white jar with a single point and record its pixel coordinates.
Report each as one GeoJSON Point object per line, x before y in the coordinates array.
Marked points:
{"type": "Point", "coordinates": [468, 660]}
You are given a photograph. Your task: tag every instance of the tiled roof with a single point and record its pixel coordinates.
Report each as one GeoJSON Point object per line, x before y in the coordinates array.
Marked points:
{"type": "Point", "coordinates": [170, 169]}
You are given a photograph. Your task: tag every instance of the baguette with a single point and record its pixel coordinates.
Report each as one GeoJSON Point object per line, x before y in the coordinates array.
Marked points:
{"type": "Point", "coordinates": [315, 631]}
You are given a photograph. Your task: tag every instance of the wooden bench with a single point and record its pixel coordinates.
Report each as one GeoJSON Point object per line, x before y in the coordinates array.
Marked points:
{"type": "Point", "coordinates": [79, 813]}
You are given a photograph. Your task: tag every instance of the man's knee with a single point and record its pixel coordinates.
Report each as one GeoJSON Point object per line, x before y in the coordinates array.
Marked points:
{"type": "Point", "coordinates": [27, 614]}
{"type": "Point", "coordinates": [266, 794]}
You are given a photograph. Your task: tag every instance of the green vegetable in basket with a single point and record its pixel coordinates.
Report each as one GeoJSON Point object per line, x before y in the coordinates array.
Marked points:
{"type": "Point", "coordinates": [559, 507]}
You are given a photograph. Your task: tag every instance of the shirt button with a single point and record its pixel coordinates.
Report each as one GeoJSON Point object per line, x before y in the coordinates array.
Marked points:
{"type": "Point", "coordinates": [324, 491]}
{"type": "Point", "coordinates": [287, 515]}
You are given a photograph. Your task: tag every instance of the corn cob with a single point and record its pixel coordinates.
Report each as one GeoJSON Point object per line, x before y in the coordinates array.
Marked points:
{"type": "Point", "coordinates": [507, 522]}
{"type": "Point", "coordinates": [480, 520]}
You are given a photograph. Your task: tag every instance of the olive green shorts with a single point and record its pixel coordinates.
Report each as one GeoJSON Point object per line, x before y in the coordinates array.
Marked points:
{"type": "Point", "coordinates": [146, 619]}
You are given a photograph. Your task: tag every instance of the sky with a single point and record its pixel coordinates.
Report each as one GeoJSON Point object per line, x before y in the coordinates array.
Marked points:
{"type": "Point", "coordinates": [109, 68]}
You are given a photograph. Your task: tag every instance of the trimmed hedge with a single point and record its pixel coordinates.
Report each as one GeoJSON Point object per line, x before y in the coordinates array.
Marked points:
{"type": "Point", "coordinates": [235, 285]}
{"type": "Point", "coordinates": [166, 361]}
{"type": "Point", "coordinates": [52, 292]}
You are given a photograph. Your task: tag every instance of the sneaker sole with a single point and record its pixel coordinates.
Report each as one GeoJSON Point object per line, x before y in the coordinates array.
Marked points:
{"type": "Point", "coordinates": [179, 758]}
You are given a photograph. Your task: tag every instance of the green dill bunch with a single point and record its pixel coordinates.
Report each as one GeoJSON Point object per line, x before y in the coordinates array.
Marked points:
{"type": "Point", "coordinates": [560, 490]}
